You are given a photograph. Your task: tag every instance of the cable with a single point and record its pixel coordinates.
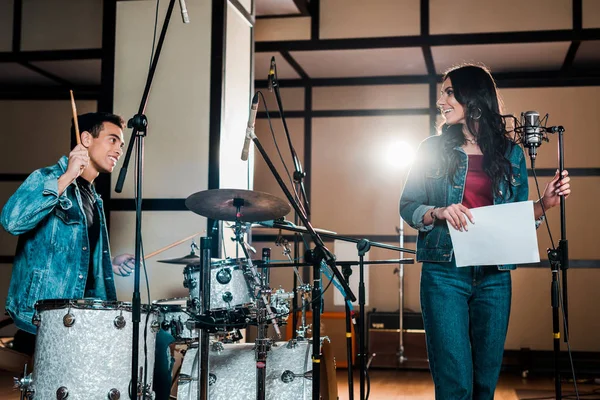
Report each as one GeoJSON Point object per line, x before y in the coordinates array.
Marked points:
{"type": "Point", "coordinates": [567, 341]}
{"type": "Point", "coordinates": [296, 196]}
{"type": "Point", "coordinates": [561, 300]}
{"type": "Point", "coordinates": [537, 187]}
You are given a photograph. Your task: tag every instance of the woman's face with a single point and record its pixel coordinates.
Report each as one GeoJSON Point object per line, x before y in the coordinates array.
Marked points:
{"type": "Point", "coordinates": [452, 110]}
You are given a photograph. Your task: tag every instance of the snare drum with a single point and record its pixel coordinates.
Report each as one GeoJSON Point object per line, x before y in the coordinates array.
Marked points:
{"type": "Point", "coordinates": [83, 349]}
{"type": "Point", "coordinates": [228, 285]}
{"type": "Point", "coordinates": [172, 316]}
{"type": "Point", "coordinates": [233, 372]}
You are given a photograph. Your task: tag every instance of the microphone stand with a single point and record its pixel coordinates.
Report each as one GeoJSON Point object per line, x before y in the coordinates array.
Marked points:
{"type": "Point", "coordinates": [559, 261]}
{"type": "Point", "coordinates": [320, 253]}
{"type": "Point", "coordinates": [139, 123]}
{"type": "Point", "coordinates": [363, 246]}
{"type": "Point", "coordinates": [298, 178]}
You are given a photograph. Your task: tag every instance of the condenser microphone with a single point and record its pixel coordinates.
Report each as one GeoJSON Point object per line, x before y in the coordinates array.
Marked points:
{"type": "Point", "coordinates": [271, 75]}
{"type": "Point", "coordinates": [532, 132]}
{"type": "Point", "coordinates": [184, 13]}
{"type": "Point", "coordinates": [250, 127]}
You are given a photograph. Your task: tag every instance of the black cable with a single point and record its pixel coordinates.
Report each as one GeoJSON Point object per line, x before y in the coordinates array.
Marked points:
{"type": "Point", "coordinates": [562, 310]}
{"type": "Point", "coordinates": [537, 187]}
{"type": "Point", "coordinates": [567, 340]}
{"type": "Point", "coordinates": [293, 187]}
{"type": "Point", "coordinates": [368, 379]}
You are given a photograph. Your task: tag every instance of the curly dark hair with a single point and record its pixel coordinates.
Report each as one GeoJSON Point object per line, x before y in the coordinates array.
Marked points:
{"type": "Point", "coordinates": [93, 123]}
{"type": "Point", "coordinates": [475, 89]}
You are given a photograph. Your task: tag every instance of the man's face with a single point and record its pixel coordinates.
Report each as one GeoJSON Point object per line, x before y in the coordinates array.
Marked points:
{"type": "Point", "coordinates": [106, 149]}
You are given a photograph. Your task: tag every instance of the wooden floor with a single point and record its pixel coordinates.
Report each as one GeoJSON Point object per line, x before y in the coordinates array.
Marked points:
{"type": "Point", "coordinates": [411, 385]}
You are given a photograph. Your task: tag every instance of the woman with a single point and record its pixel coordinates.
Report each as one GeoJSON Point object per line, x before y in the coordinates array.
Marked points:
{"type": "Point", "coordinates": [472, 163]}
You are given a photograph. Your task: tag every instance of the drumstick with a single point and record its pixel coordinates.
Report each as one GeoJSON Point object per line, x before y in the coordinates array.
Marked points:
{"type": "Point", "coordinates": [171, 245]}
{"type": "Point", "coordinates": [75, 121]}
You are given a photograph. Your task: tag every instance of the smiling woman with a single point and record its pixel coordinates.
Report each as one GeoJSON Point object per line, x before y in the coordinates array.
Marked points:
{"type": "Point", "coordinates": [472, 163]}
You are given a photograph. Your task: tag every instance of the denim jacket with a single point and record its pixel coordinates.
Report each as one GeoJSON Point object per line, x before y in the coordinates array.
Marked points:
{"type": "Point", "coordinates": [53, 253]}
{"type": "Point", "coordinates": [428, 185]}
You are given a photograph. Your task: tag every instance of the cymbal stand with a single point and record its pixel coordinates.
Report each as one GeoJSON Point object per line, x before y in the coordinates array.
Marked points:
{"type": "Point", "coordinates": [203, 348]}
{"type": "Point", "coordinates": [262, 342]}
{"type": "Point", "coordinates": [302, 288]}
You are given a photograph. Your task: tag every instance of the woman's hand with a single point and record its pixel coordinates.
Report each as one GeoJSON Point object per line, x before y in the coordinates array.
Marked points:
{"type": "Point", "coordinates": [456, 215]}
{"type": "Point", "coordinates": [556, 188]}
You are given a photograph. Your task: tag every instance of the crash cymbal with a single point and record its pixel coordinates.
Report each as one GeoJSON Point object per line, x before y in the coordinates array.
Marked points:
{"type": "Point", "coordinates": [221, 204]}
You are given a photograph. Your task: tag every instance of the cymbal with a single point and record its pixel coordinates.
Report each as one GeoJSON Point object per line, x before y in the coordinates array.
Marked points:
{"type": "Point", "coordinates": [185, 260]}
{"type": "Point", "coordinates": [221, 204]}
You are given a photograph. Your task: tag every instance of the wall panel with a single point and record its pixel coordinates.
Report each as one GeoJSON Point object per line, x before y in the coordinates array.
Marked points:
{"type": "Point", "coordinates": [575, 108]}
{"type": "Point", "coordinates": [356, 19]}
{"type": "Point", "coordinates": [531, 313]}
{"type": "Point", "coordinates": [591, 14]}
{"type": "Point", "coordinates": [469, 16]}
{"type": "Point", "coordinates": [370, 97]}
{"type": "Point", "coordinates": [39, 144]}
{"type": "Point", "coordinates": [355, 189]}
{"type": "Point", "coordinates": [176, 148]}
{"type": "Point", "coordinates": [266, 182]}
{"type": "Point", "coordinates": [61, 24]}
{"type": "Point", "coordinates": [6, 25]}
{"type": "Point", "coordinates": [8, 242]}
{"type": "Point", "coordinates": [280, 29]}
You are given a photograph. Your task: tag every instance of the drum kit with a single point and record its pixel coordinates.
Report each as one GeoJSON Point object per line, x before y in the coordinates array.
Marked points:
{"type": "Point", "coordinates": [83, 346]}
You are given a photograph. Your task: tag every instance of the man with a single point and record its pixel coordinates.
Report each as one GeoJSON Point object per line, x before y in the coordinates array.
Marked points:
{"type": "Point", "coordinates": [63, 249]}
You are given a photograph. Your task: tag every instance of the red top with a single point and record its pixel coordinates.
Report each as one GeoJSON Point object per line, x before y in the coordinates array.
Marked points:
{"type": "Point", "coordinates": [478, 186]}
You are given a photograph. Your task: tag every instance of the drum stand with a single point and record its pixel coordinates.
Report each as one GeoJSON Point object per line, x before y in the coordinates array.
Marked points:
{"type": "Point", "coordinates": [264, 313]}
{"type": "Point", "coordinates": [303, 289]}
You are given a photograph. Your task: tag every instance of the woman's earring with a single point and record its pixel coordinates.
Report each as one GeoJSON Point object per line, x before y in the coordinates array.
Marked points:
{"type": "Point", "coordinates": [476, 114]}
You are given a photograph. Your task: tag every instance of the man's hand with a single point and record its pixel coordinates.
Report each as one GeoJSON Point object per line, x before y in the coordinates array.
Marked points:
{"type": "Point", "coordinates": [79, 159]}
{"type": "Point", "coordinates": [123, 264]}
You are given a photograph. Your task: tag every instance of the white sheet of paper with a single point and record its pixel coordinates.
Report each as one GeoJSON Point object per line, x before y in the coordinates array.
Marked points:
{"type": "Point", "coordinates": [502, 234]}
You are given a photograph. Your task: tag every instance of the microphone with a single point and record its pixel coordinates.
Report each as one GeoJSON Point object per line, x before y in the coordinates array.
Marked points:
{"type": "Point", "coordinates": [184, 13]}
{"type": "Point", "coordinates": [250, 129]}
{"type": "Point", "coordinates": [532, 132]}
{"type": "Point", "coordinates": [271, 75]}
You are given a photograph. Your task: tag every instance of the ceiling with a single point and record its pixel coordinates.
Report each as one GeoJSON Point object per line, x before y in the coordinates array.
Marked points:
{"type": "Point", "coordinates": [560, 47]}
{"type": "Point", "coordinates": [407, 51]}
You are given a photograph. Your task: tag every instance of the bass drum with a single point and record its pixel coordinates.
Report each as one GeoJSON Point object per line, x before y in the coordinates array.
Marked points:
{"type": "Point", "coordinates": [233, 372]}
{"type": "Point", "coordinates": [83, 349]}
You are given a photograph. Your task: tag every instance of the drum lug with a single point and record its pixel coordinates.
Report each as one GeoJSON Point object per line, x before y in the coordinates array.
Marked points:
{"type": "Point", "coordinates": [227, 297]}
{"type": "Point", "coordinates": [114, 394]}
{"type": "Point", "coordinates": [224, 276]}
{"type": "Point", "coordinates": [120, 322]}
{"type": "Point", "coordinates": [36, 320]}
{"type": "Point", "coordinates": [288, 376]}
{"type": "Point", "coordinates": [62, 393]}
{"type": "Point", "coordinates": [212, 379]}
{"type": "Point", "coordinates": [69, 319]}
{"type": "Point", "coordinates": [217, 346]}
{"type": "Point", "coordinates": [155, 326]}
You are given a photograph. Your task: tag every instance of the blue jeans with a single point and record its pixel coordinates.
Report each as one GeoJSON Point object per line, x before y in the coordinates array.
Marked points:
{"type": "Point", "coordinates": [465, 314]}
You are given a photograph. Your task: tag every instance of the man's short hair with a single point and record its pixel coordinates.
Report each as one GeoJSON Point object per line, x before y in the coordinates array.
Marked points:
{"type": "Point", "coordinates": [93, 122]}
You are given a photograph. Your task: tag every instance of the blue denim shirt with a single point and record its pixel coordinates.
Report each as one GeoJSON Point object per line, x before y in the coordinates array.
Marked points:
{"type": "Point", "coordinates": [52, 260]}
{"type": "Point", "coordinates": [428, 185]}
